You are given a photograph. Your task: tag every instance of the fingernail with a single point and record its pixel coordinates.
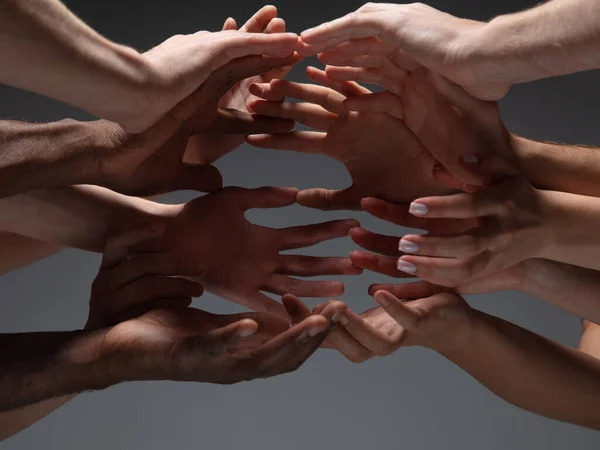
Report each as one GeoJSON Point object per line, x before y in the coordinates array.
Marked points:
{"type": "Point", "coordinates": [405, 266]}
{"type": "Point", "coordinates": [245, 332]}
{"type": "Point", "coordinates": [343, 319]}
{"type": "Point", "coordinates": [470, 159]}
{"type": "Point", "coordinates": [418, 209]}
{"type": "Point", "coordinates": [382, 300]}
{"type": "Point", "coordinates": [337, 316]}
{"type": "Point", "coordinates": [313, 331]}
{"type": "Point", "coordinates": [408, 246]}
{"type": "Point", "coordinates": [303, 337]}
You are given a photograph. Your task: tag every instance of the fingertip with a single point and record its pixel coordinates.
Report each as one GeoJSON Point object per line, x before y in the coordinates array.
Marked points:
{"type": "Point", "coordinates": [246, 327]}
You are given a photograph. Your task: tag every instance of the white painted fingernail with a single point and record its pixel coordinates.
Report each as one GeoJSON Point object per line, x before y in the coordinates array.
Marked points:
{"type": "Point", "coordinates": [408, 246]}
{"type": "Point", "coordinates": [407, 267]}
{"type": "Point", "coordinates": [303, 337]}
{"type": "Point", "coordinates": [343, 319]}
{"type": "Point", "coordinates": [418, 209]}
{"type": "Point", "coordinates": [382, 300]}
{"type": "Point", "coordinates": [470, 159]}
{"type": "Point", "coordinates": [336, 317]}
{"type": "Point", "coordinates": [313, 331]}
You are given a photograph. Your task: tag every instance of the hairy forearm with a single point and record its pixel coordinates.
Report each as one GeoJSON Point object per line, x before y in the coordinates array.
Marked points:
{"type": "Point", "coordinates": [46, 49]}
{"type": "Point", "coordinates": [556, 38]}
{"type": "Point", "coordinates": [41, 366]}
{"type": "Point", "coordinates": [559, 167]}
{"type": "Point", "coordinates": [531, 372]}
{"type": "Point", "coordinates": [76, 216]}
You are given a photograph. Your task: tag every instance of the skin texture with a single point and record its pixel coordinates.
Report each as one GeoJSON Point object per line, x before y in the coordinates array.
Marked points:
{"type": "Point", "coordinates": [367, 143]}
{"type": "Point", "coordinates": [555, 38]}
{"type": "Point", "coordinates": [112, 81]}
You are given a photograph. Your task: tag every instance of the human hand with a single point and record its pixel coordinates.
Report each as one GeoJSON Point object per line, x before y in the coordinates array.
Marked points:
{"type": "Point", "coordinates": [242, 259]}
{"type": "Point", "coordinates": [128, 285]}
{"type": "Point", "coordinates": [208, 147]}
{"type": "Point", "coordinates": [182, 63]}
{"type": "Point", "coordinates": [408, 36]}
{"type": "Point", "coordinates": [381, 154]}
{"type": "Point", "coordinates": [187, 344]}
{"type": "Point", "coordinates": [162, 159]}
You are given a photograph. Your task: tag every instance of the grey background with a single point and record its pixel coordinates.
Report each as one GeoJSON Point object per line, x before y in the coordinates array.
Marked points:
{"type": "Point", "coordinates": [412, 399]}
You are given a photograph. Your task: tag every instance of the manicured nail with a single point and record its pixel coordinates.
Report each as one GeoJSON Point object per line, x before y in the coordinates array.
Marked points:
{"type": "Point", "coordinates": [303, 337]}
{"type": "Point", "coordinates": [382, 300]}
{"type": "Point", "coordinates": [343, 319]}
{"type": "Point", "coordinates": [313, 331]}
{"type": "Point", "coordinates": [405, 266]}
{"type": "Point", "coordinates": [337, 316]}
{"type": "Point", "coordinates": [470, 159]}
{"type": "Point", "coordinates": [245, 332]}
{"type": "Point", "coordinates": [408, 246]}
{"type": "Point", "coordinates": [418, 209]}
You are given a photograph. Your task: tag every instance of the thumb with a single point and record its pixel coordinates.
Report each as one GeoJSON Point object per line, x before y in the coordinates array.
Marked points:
{"type": "Point", "coordinates": [199, 177]}
{"type": "Point", "coordinates": [230, 121]}
{"type": "Point", "coordinates": [399, 311]}
{"type": "Point", "coordinates": [295, 308]}
{"type": "Point", "coordinates": [446, 179]}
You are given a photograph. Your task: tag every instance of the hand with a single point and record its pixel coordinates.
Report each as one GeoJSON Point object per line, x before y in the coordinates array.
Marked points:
{"type": "Point", "coordinates": [514, 223]}
{"type": "Point", "coordinates": [208, 147]}
{"type": "Point", "coordinates": [458, 130]}
{"type": "Point", "coordinates": [241, 259]}
{"type": "Point", "coordinates": [408, 36]}
{"type": "Point", "coordinates": [187, 344]}
{"type": "Point", "coordinates": [383, 253]}
{"type": "Point", "coordinates": [129, 285]}
{"type": "Point", "coordinates": [438, 321]}
{"type": "Point", "coordinates": [181, 64]}
{"type": "Point", "coordinates": [383, 157]}
{"type": "Point", "coordinates": [159, 159]}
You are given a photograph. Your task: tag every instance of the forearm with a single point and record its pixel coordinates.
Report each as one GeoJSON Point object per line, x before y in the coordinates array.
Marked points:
{"type": "Point", "coordinates": [46, 49]}
{"type": "Point", "coordinates": [76, 216]}
{"type": "Point", "coordinates": [528, 371]}
{"type": "Point", "coordinates": [16, 420]}
{"type": "Point", "coordinates": [556, 38]}
{"type": "Point", "coordinates": [559, 167]}
{"type": "Point", "coordinates": [18, 251]}
{"type": "Point", "coordinates": [571, 288]}
{"type": "Point", "coordinates": [41, 366]}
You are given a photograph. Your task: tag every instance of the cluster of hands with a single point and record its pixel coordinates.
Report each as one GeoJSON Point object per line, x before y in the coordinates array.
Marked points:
{"type": "Point", "coordinates": [423, 135]}
{"type": "Point", "coordinates": [427, 151]}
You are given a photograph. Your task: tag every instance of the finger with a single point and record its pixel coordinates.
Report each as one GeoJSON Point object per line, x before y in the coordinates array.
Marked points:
{"type": "Point", "coordinates": [366, 61]}
{"type": "Point", "coordinates": [264, 197]}
{"type": "Point", "coordinates": [233, 45]}
{"type": "Point", "coordinates": [152, 288]}
{"type": "Point", "coordinates": [445, 178]}
{"type": "Point", "coordinates": [287, 352]}
{"type": "Point", "coordinates": [401, 312]}
{"type": "Point", "coordinates": [299, 141]}
{"type": "Point", "coordinates": [313, 266]}
{"type": "Point", "coordinates": [150, 305]}
{"type": "Point", "coordinates": [367, 335]}
{"type": "Point", "coordinates": [276, 25]}
{"type": "Point", "coordinates": [262, 303]}
{"type": "Point", "coordinates": [198, 177]}
{"type": "Point", "coordinates": [374, 76]}
{"type": "Point", "coordinates": [260, 20]}
{"type": "Point", "coordinates": [348, 89]}
{"type": "Point", "coordinates": [295, 308]}
{"type": "Point", "coordinates": [230, 24]}
{"type": "Point", "coordinates": [376, 263]}
{"type": "Point", "coordinates": [278, 90]}
{"type": "Point", "coordinates": [230, 121]}
{"type": "Point", "coordinates": [153, 264]}
{"type": "Point", "coordinates": [363, 46]}
{"type": "Point", "coordinates": [450, 272]}
{"type": "Point", "coordinates": [378, 243]}
{"type": "Point", "coordinates": [116, 248]}
{"type": "Point", "coordinates": [330, 200]}
{"type": "Point", "coordinates": [282, 284]}
{"type": "Point", "coordinates": [220, 340]}
{"type": "Point", "coordinates": [312, 116]}
{"type": "Point", "coordinates": [380, 102]}
{"type": "Point", "coordinates": [461, 246]}
{"type": "Point", "coordinates": [308, 235]}
{"type": "Point", "coordinates": [485, 202]}
{"type": "Point", "coordinates": [418, 289]}
{"type": "Point", "coordinates": [351, 26]}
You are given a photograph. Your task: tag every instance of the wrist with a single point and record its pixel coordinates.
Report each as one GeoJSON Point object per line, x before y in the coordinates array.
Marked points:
{"type": "Point", "coordinates": [456, 332]}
